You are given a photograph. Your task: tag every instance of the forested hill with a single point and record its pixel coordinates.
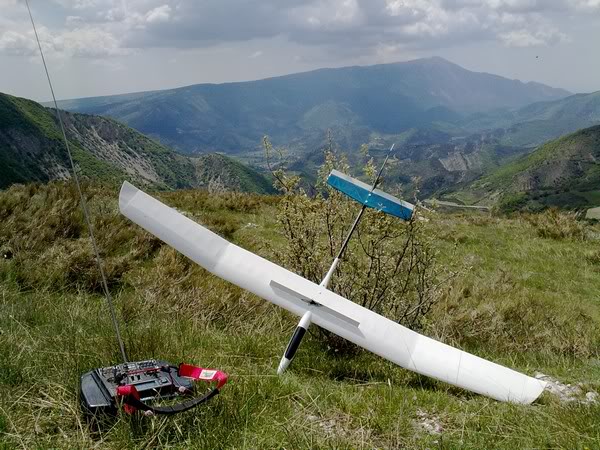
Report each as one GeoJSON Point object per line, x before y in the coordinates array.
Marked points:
{"type": "Point", "coordinates": [535, 124]}
{"type": "Point", "coordinates": [31, 149]}
{"type": "Point", "coordinates": [564, 172]}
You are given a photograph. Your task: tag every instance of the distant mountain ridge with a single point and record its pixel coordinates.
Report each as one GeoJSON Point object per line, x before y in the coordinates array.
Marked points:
{"type": "Point", "coordinates": [564, 172]}
{"type": "Point", "coordinates": [356, 102]}
{"type": "Point", "coordinates": [534, 124]}
{"type": "Point", "coordinates": [32, 149]}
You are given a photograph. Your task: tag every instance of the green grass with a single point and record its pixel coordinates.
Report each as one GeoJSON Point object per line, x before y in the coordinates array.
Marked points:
{"type": "Point", "coordinates": [520, 299]}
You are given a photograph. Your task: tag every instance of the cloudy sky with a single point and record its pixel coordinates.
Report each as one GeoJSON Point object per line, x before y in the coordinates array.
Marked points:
{"type": "Point", "coordinates": [100, 47]}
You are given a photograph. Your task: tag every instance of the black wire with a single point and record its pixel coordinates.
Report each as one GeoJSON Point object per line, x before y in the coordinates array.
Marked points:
{"type": "Point", "coordinates": [82, 198]}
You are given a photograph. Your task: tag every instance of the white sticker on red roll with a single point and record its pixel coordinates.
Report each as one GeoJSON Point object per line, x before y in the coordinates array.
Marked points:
{"type": "Point", "coordinates": [207, 374]}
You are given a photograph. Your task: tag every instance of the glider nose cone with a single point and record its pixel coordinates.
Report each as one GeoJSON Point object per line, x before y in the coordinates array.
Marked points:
{"type": "Point", "coordinates": [283, 365]}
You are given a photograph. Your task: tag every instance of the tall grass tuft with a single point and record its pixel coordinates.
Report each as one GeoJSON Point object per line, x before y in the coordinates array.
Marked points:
{"type": "Point", "coordinates": [556, 224]}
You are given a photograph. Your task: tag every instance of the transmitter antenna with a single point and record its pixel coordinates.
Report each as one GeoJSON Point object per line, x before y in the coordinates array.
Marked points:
{"type": "Point", "coordinates": [84, 206]}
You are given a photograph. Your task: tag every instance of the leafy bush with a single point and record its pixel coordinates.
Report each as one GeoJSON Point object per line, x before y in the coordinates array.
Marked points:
{"type": "Point", "coordinates": [389, 266]}
{"type": "Point", "coordinates": [512, 202]}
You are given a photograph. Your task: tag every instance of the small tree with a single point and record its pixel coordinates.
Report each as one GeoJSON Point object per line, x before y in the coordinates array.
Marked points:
{"type": "Point", "coordinates": [389, 266]}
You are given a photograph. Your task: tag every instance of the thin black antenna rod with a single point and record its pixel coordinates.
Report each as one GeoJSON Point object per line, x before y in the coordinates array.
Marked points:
{"type": "Point", "coordinates": [84, 206]}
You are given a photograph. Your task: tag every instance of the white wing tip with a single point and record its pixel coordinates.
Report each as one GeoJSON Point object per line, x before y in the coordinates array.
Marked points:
{"type": "Point", "coordinates": [127, 193]}
{"type": "Point", "coordinates": [535, 388]}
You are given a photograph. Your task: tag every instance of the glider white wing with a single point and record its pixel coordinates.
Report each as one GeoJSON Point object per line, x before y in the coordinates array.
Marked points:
{"type": "Point", "coordinates": [329, 310]}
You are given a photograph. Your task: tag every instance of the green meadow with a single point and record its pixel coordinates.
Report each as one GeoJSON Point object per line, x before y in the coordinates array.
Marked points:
{"type": "Point", "coordinates": [523, 291]}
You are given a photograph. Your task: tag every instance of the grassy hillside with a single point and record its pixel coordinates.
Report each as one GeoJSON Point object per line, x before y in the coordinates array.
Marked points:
{"type": "Point", "coordinates": [378, 100]}
{"type": "Point", "coordinates": [564, 172]}
{"type": "Point", "coordinates": [520, 298]}
{"type": "Point", "coordinates": [25, 124]}
{"type": "Point", "coordinates": [32, 149]}
{"type": "Point", "coordinates": [231, 174]}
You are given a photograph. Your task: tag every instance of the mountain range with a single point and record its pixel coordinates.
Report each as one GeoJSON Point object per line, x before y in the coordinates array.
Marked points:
{"type": "Point", "coordinates": [539, 122]}
{"type": "Point", "coordinates": [32, 149]}
{"type": "Point", "coordinates": [444, 159]}
{"type": "Point", "coordinates": [357, 103]}
{"type": "Point", "coordinates": [453, 128]}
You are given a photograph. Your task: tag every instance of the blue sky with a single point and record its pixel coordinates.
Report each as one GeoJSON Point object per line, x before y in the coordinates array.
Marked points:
{"type": "Point", "coordinates": [101, 47]}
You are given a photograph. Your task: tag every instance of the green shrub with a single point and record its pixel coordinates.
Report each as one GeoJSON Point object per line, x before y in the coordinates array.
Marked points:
{"type": "Point", "coordinates": [512, 202]}
{"type": "Point", "coordinates": [389, 266]}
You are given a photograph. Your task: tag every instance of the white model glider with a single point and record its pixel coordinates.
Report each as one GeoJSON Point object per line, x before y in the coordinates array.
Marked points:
{"type": "Point", "coordinates": [327, 309]}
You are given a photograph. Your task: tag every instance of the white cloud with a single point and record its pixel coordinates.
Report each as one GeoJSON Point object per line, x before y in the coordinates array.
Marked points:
{"type": "Point", "coordinates": [158, 15]}
{"type": "Point", "coordinates": [523, 38]}
{"type": "Point", "coordinates": [74, 21]}
{"type": "Point", "coordinates": [89, 42]}
{"type": "Point", "coordinates": [104, 28]}
{"type": "Point", "coordinates": [588, 5]}
{"type": "Point", "coordinates": [13, 43]}
{"type": "Point", "coordinates": [78, 4]}
{"type": "Point", "coordinates": [326, 15]}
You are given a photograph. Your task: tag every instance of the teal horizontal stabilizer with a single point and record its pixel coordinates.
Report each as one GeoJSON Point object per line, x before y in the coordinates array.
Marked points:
{"type": "Point", "coordinates": [377, 199]}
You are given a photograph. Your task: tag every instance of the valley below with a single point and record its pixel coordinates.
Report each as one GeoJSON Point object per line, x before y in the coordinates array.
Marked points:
{"type": "Point", "coordinates": [450, 126]}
